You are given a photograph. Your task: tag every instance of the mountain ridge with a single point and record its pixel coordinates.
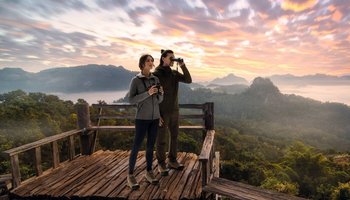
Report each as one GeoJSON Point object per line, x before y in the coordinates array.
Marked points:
{"type": "Point", "coordinates": [263, 110]}
{"type": "Point", "coordinates": [93, 77]}
{"type": "Point", "coordinates": [315, 79]}
{"type": "Point", "coordinates": [84, 78]}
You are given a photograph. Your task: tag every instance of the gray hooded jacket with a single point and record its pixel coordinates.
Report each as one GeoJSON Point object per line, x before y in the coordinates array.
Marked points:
{"type": "Point", "coordinates": [147, 106]}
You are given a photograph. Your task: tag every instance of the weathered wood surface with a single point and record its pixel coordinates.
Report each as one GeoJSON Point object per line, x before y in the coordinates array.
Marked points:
{"type": "Point", "coordinates": [115, 106]}
{"type": "Point", "coordinates": [240, 191]}
{"type": "Point", "coordinates": [103, 175]}
{"type": "Point", "coordinates": [41, 142]}
{"type": "Point", "coordinates": [182, 116]}
{"type": "Point", "coordinates": [132, 128]}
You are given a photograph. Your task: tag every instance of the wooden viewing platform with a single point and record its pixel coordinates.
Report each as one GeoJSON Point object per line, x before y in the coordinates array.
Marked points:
{"type": "Point", "coordinates": [102, 174]}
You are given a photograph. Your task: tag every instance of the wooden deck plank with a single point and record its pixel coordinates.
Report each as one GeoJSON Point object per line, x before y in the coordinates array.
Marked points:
{"type": "Point", "coordinates": [185, 177]}
{"type": "Point", "coordinates": [103, 175]}
{"type": "Point", "coordinates": [132, 128]}
{"type": "Point", "coordinates": [237, 190]}
{"type": "Point", "coordinates": [175, 186]}
{"type": "Point", "coordinates": [94, 181]}
{"type": "Point", "coordinates": [190, 182]}
{"type": "Point", "coordinates": [167, 180]}
{"type": "Point", "coordinates": [88, 170]}
{"type": "Point", "coordinates": [67, 172]}
{"type": "Point", "coordinates": [43, 180]}
{"type": "Point", "coordinates": [124, 191]}
{"type": "Point", "coordinates": [145, 187]}
{"type": "Point", "coordinates": [197, 190]}
{"type": "Point", "coordinates": [98, 182]}
{"type": "Point", "coordinates": [118, 177]}
{"type": "Point", "coordinates": [58, 177]}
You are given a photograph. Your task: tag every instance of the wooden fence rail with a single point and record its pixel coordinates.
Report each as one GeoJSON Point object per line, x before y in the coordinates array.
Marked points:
{"type": "Point", "coordinates": [36, 147]}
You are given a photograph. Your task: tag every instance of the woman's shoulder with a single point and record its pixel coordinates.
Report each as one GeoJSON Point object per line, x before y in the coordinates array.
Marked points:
{"type": "Point", "coordinates": [136, 79]}
{"type": "Point", "coordinates": [153, 76]}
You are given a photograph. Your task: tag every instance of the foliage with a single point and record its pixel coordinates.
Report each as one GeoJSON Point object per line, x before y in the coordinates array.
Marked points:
{"type": "Point", "coordinates": [280, 186]}
{"type": "Point", "coordinates": [266, 139]}
{"type": "Point", "coordinates": [261, 110]}
{"type": "Point", "coordinates": [342, 192]}
{"type": "Point", "coordinates": [29, 117]}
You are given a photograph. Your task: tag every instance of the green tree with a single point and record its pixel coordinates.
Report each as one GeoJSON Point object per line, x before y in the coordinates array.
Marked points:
{"type": "Point", "coordinates": [342, 192]}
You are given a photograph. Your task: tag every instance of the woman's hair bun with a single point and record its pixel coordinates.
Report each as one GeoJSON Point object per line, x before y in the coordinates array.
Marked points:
{"type": "Point", "coordinates": [161, 51]}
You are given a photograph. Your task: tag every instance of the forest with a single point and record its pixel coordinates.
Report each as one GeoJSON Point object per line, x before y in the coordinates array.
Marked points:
{"type": "Point", "coordinates": [281, 142]}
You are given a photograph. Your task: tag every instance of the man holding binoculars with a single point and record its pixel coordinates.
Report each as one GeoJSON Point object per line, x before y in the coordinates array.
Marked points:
{"type": "Point", "coordinates": [169, 109]}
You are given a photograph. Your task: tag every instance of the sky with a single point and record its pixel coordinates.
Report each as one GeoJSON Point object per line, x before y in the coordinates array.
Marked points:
{"type": "Point", "coordinates": [248, 38]}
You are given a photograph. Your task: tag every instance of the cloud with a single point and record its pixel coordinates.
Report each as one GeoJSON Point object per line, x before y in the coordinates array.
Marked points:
{"type": "Point", "coordinates": [298, 5]}
{"type": "Point", "coordinates": [290, 36]}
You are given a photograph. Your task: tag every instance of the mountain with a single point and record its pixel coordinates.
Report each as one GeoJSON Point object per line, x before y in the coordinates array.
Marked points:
{"type": "Point", "coordinates": [230, 79]}
{"type": "Point", "coordinates": [67, 79]}
{"type": "Point", "coordinates": [229, 89]}
{"type": "Point", "coordinates": [14, 78]}
{"type": "Point", "coordinates": [262, 110]}
{"type": "Point", "coordinates": [316, 79]}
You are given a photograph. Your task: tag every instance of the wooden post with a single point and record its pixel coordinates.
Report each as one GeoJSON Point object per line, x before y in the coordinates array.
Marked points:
{"type": "Point", "coordinates": [71, 147]}
{"type": "Point", "coordinates": [55, 155]}
{"type": "Point", "coordinates": [16, 174]}
{"type": "Point", "coordinates": [217, 164]}
{"type": "Point", "coordinates": [5, 185]}
{"type": "Point", "coordinates": [83, 123]}
{"type": "Point", "coordinates": [209, 116]}
{"type": "Point", "coordinates": [37, 159]}
{"type": "Point", "coordinates": [204, 173]}
{"type": "Point", "coordinates": [95, 133]}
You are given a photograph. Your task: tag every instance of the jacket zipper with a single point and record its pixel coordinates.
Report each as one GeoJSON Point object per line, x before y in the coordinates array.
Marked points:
{"type": "Point", "coordinates": [149, 81]}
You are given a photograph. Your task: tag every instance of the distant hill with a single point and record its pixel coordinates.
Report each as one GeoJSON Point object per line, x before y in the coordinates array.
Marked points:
{"type": "Point", "coordinates": [230, 79]}
{"type": "Point", "coordinates": [86, 78]}
{"type": "Point", "coordinates": [263, 110]}
{"type": "Point", "coordinates": [67, 79]}
{"type": "Point", "coordinates": [230, 89]}
{"type": "Point", "coordinates": [317, 79]}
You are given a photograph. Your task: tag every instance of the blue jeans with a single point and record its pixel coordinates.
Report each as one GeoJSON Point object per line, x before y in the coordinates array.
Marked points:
{"type": "Point", "coordinates": [142, 127]}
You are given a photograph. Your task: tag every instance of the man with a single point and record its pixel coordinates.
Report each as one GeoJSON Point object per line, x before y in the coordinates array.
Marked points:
{"type": "Point", "coordinates": [169, 109]}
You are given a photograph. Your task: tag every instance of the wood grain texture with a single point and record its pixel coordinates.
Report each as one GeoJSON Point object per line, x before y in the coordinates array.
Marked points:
{"type": "Point", "coordinates": [103, 175]}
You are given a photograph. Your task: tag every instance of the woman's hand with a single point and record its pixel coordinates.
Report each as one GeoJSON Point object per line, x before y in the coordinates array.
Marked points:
{"type": "Point", "coordinates": [161, 122]}
{"type": "Point", "coordinates": [161, 90]}
{"type": "Point", "coordinates": [152, 90]}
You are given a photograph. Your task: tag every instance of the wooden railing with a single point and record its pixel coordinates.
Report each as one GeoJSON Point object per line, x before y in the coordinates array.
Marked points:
{"type": "Point", "coordinates": [36, 147]}
{"type": "Point", "coordinates": [88, 133]}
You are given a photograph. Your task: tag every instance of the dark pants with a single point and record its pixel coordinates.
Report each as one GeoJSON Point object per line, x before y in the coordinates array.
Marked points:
{"type": "Point", "coordinates": [142, 127]}
{"type": "Point", "coordinates": [171, 124]}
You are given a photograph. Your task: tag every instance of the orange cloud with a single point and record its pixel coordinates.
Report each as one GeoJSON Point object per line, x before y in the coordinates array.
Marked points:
{"type": "Point", "coordinates": [297, 6]}
{"type": "Point", "coordinates": [337, 15]}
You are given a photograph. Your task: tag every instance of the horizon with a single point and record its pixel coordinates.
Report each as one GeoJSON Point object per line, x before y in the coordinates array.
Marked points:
{"type": "Point", "coordinates": [243, 37]}
{"type": "Point", "coordinates": [201, 81]}
{"type": "Point", "coordinates": [331, 90]}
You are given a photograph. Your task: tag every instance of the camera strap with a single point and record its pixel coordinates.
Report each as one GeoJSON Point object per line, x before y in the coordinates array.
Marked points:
{"type": "Point", "coordinates": [143, 81]}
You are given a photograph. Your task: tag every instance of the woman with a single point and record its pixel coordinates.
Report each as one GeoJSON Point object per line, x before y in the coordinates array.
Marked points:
{"type": "Point", "coordinates": [146, 93]}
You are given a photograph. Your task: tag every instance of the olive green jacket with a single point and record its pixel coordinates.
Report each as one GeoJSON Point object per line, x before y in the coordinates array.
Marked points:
{"type": "Point", "coordinates": [170, 79]}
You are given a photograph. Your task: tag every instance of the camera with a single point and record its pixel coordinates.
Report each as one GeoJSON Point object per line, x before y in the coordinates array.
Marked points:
{"type": "Point", "coordinates": [177, 60]}
{"type": "Point", "coordinates": [158, 87]}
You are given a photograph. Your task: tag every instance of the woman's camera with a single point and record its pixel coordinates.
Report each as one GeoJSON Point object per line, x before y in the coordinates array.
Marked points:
{"type": "Point", "coordinates": [158, 87]}
{"type": "Point", "coordinates": [177, 60]}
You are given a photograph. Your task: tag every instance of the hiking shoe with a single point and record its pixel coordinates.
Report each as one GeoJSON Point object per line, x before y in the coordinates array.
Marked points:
{"type": "Point", "coordinates": [175, 165]}
{"type": "Point", "coordinates": [151, 178]}
{"type": "Point", "coordinates": [163, 170]}
{"type": "Point", "coordinates": [132, 183]}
